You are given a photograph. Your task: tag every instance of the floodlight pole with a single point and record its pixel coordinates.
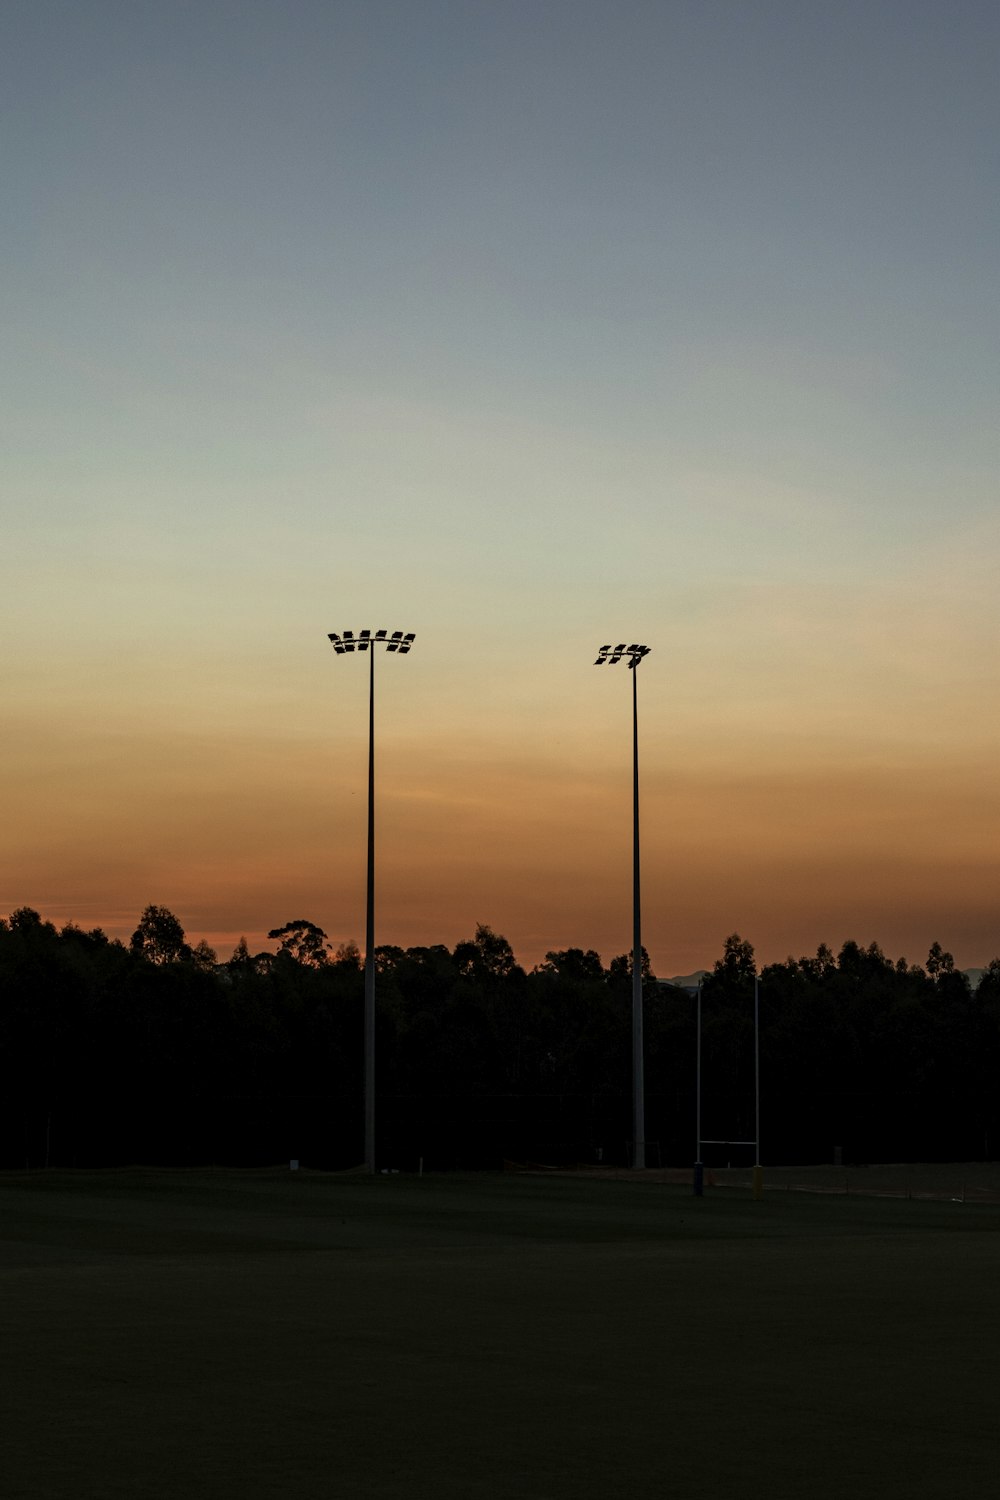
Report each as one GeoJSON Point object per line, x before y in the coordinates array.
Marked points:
{"type": "Point", "coordinates": [366, 641]}
{"type": "Point", "coordinates": [612, 655]}
{"type": "Point", "coordinates": [638, 1070]}
{"type": "Point", "coordinates": [370, 933]}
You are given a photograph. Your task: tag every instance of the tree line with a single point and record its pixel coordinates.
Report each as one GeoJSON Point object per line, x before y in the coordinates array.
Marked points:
{"type": "Point", "coordinates": [154, 1051]}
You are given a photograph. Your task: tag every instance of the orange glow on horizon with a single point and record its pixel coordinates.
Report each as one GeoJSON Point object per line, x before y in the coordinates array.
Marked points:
{"type": "Point", "coordinates": [239, 836]}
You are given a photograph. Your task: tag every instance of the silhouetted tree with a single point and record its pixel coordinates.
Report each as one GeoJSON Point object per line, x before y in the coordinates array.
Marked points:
{"type": "Point", "coordinates": [939, 962]}
{"type": "Point", "coordinates": [302, 941]}
{"type": "Point", "coordinates": [387, 958]}
{"type": "Point", "coordinates": [487, 956]}
{"type": "Point", "coordinates": [575, 965]}
{"type": "Point", "coordinates": [152, 1051]}
{"type": "Point", "coordinates": [988, 989]}
{"type": "Point", "coordinates": [620, 970]}
{"type": "Point", "coordinates": [26, 920]}
{"type": "Point", "coordinates": [241, 959]}
{"type": "Point", "coordinates": [348, 956]}
{"type": "Point", "coordinates": [159, 937]}
{"type": "Point", "coordinates": [736, 967]}
{"type": "Point", "coordinates": [203, 955]}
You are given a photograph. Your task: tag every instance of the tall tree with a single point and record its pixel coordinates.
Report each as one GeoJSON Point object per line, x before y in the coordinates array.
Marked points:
{"type": "Point", "coordinates": [488, 956]}
{"type": "Point", "coordinates": [939, 962]}
{"type": "Point", "coordinates": [575, 964]}
{"type": "Point", "coordinates": [159, 937]}
{"type": "Point", "coordinates": [620, 969]}
{"type": "Point", "coordinates": [736, 968]}
{"type": "Point", "coordinates": [302, 941]}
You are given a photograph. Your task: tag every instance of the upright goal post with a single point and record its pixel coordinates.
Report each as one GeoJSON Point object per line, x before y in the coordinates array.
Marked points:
{"type": "Point", "coordinates": [699, 1166]}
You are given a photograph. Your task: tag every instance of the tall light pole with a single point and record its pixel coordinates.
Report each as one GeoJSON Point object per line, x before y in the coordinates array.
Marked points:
{"type": "Point", "coordinates": [611, 655]}
{"type": "Point", "coordinates": [342, 644]}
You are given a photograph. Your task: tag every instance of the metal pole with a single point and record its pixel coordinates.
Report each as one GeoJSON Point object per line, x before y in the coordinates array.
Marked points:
{"type": "Point", "coordinates": [399, 642]}
{"type": "Point", "coordinates": [758, 1170]}
{"type": "Point", "coordinates": [637, 1063]}
{"type": "Point", "coordinates": [699, 1170]}
{"type": "Point", "coordinates": [613, 655]}
{"type": "Point", "coordinates": [756, 1068]}
{"type": "Point", "coordinates": [370, 933]}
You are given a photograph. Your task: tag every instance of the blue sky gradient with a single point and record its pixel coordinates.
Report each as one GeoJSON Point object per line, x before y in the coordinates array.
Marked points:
{"type": "Point", "coordinates": [525, 326]}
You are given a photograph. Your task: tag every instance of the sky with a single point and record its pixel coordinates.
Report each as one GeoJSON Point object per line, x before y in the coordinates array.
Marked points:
{"type": "Point", "coordinates": [526, 326]}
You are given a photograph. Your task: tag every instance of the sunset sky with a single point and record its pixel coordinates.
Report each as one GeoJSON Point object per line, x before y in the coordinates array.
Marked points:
{"type": "Point", "coordinates": [525, 325]}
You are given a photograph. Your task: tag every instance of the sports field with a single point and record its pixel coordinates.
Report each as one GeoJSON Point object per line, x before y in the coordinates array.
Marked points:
{"type": "Point", "coordinates": [251, 1334]}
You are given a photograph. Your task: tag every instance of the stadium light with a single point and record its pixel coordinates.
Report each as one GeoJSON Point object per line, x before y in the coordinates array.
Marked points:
{"type": "Point", "coordinates": [610, 656]}
{"type": "Point", "coordinates": [344, 644]}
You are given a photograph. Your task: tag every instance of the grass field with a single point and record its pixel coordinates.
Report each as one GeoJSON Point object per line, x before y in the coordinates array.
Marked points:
{"type": "Point", "coordinates": [224, 1334]}
{"type": "Point", "coordinates": [962, 1182]}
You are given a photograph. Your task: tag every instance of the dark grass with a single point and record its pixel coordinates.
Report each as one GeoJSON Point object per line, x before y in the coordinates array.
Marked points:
{"type": "Point", "coordinates": [253, 1334]}
{"type": "Point", "coordinates": [961, 1182]}
{"type": "Point", "coordinates": [976, 1181]}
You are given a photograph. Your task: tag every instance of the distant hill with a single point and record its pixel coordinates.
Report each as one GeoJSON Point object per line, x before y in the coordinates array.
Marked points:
{"type": "Point", "coordinates": [690, 981]}
{"type": "Point", "coordinates": [686, 981]}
